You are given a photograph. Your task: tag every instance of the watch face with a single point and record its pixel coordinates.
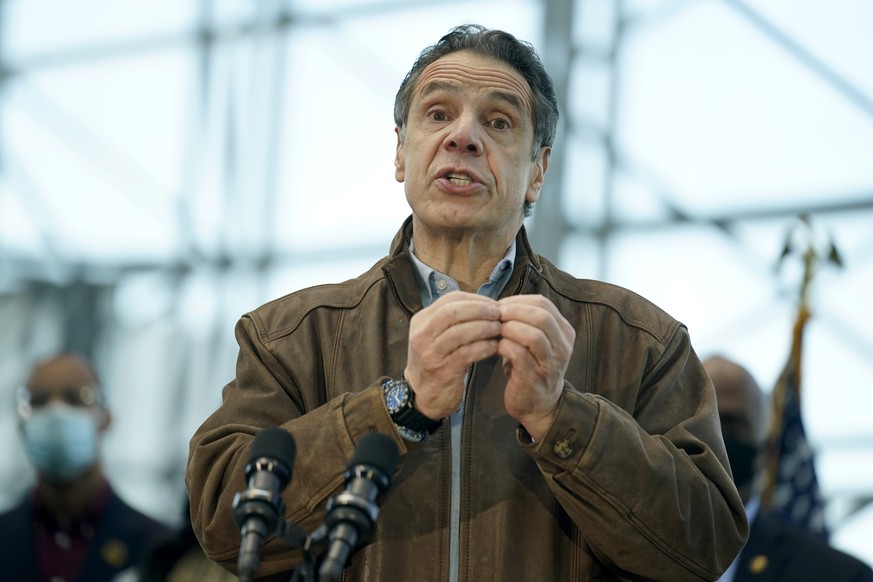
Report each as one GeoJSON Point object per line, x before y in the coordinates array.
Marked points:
{"type": "Point", "coordinates": [396, 397]}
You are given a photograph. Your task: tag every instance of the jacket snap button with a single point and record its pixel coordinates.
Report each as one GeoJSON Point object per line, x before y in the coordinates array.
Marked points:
{"type": "Point", "coordinates": [563, 448]}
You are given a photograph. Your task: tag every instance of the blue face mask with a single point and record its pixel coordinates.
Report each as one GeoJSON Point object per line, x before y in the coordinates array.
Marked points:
{"type": "Point", "coordinates": [61, 441]}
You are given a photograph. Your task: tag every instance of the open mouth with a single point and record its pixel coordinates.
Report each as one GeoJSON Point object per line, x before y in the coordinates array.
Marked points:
{"type": "Point", "coordinates": [459, 179]}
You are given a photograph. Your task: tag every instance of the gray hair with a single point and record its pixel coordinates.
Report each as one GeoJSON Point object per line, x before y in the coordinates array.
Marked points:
{"type": "Point", "coordinates": [500, 45]}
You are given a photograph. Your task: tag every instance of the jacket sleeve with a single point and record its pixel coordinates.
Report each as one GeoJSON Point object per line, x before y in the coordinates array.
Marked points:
{"type": "Point", "coordinates": [265, 394]}
{"type": "Point", "coordinates": [650, 488]}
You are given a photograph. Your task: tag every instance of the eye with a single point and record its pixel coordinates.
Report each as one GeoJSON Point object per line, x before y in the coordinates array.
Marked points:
{"type": "Point", "coordinates": [437, 115]}
{"type": "Point", "coordinates": [499, 124]}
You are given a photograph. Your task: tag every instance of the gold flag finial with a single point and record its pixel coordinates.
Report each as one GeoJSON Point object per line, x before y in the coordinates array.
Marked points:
{"type": "Point", "coordinates": [815, 246]}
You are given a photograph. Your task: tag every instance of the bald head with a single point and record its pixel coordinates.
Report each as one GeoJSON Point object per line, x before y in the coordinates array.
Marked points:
{"type": "Point", "coordinates": [68, 378]}
{"type": "Point", "coordinates": [63, 370]}
{"type": "Point", "coordinates": [741, 405]}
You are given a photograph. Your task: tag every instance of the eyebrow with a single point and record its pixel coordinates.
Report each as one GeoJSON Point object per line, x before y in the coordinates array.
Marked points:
{"type": "Point", "coordinates": [435, 86]}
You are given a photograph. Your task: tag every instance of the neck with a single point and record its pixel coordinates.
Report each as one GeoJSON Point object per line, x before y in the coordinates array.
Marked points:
{"type": "Point", "coordinates": [71, 498]}
{"type": "Point", "coordinates": [468, 259]}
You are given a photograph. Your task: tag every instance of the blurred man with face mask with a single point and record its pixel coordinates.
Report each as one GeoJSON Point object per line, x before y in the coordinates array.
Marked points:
{"type": "Point", "coordinates": [776, 551]}
{"type": "Point", "coordinates": [71, 526]}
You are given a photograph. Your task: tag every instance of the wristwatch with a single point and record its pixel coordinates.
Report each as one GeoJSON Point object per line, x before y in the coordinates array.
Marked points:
{"type": "Point", "coordinates": [410, 422]}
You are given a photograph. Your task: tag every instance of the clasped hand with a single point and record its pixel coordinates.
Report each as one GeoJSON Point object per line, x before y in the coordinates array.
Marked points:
{"type": "Point", "coordinates": [529, 333]}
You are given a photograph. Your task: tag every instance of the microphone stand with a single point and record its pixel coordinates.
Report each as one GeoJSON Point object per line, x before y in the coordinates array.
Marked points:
{"type": "Point", "coordinates": [351, 515]}
{"type": "Point", "coordinates": [312, 547]}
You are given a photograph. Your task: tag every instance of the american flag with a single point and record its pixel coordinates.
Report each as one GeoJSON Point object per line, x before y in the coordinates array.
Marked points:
{"type": "Point", "coordinates": [792, 488]}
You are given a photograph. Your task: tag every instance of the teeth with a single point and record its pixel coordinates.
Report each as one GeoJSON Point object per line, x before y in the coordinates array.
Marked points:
{"type": "Point", "coordinates": [459, 179]}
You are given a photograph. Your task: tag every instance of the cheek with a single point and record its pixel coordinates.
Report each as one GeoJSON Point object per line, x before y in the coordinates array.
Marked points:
{"type": "Point", "coordinates": [510, 176]}
{"type": "Point", "coordinates": [418, 164]}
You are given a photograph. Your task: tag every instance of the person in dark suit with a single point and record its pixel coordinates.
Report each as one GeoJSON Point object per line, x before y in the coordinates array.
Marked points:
{"type": "Point", "coordinates": [179, 558]}
{"type": "Point", "coordinates": [72, 526]}
{"type": "Point", "coordinates": [776, 550]}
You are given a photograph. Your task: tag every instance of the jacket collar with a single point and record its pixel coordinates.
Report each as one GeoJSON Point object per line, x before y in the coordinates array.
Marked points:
{"type": "Point", "coordinates": [399, 268]}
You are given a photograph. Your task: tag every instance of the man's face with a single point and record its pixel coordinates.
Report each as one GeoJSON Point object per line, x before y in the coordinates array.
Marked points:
{"type": "Point", "coordinates": [465, 156]}
{"type": "Point", "coordinates": [61, 418]}
{"type": "Point", "coordinates": [742, 412]}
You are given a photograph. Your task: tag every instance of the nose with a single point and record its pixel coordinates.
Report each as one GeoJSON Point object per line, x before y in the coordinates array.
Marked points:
{"type": "Point", "coordinates": [465, 135]}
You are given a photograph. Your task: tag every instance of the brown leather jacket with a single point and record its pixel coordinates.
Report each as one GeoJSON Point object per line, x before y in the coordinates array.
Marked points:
{"type": "Point", "coordinates": [631, 481]}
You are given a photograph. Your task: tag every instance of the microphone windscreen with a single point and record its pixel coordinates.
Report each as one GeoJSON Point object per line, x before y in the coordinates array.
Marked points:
{"type": "Point", "coordinates": [376, 450]}
{"type": "Point", "coordinates": [274, 443]}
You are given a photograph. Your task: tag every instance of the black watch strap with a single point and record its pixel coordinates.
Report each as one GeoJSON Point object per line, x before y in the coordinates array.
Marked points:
{"type": "Point", "coordinates": [412, 419]}
{"type": "Point", "coordinates": [407, 415]}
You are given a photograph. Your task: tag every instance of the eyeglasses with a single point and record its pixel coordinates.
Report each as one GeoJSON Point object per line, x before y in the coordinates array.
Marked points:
{"type": "Point", "coordinates": [79, 396]}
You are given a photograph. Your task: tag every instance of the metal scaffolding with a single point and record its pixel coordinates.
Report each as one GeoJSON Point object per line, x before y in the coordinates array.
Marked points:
{"type": "Point", "coordinates": [55, 297]}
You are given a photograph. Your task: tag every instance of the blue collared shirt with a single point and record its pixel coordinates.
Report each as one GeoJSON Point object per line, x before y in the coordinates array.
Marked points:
{"type": "Point", "coordinates": [432, 284]}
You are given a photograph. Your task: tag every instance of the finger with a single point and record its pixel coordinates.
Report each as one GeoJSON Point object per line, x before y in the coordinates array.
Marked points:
{"type": "Point", "coordinates": [446, 339]}
{"type": "Point", "coordinates": [531, 338]}
{"type": "Point", "coordinates": [538, 312]}
{"type": "Point", "coordinates": [524, 306]}
{"type": "Point", "coordinates": [455, 324]}
{"type": "Point", "coordinates": [461, 334]}
{"type": "Point", "coordinates": [535, 328]}
{"type": "Point", "coordinates": [473, 352]}
{"type": "Point", "coordinates": [449, 311]}
{"type": "Point", "coordinates": [459, 346]}
{"type": "Point", "coordinates": [516, 356]}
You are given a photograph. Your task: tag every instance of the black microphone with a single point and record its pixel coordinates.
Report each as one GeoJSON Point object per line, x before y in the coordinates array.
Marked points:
{"type": "Point", "coordinates": [258, 511]}
{"type": "Point", "coordinates": [352, 514]}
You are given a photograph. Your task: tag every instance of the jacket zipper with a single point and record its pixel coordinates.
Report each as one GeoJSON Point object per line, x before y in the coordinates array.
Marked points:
{"type": "Point", "coordinates": [456, 421]}
{"type": "Point", "coordinates": [397, 296]}
{"type": "Point", "coordinates": [522, 280]}
{"type": "Point", "coordinates": [456, 426]}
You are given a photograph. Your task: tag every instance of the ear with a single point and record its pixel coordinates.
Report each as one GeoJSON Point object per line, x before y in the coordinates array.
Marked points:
{"type": "Point", "coordinates": [399, 166]}
{"type": "Point", "coordinates": [538, 174]}
{"type": "Point", "coordinates": [105, 420]}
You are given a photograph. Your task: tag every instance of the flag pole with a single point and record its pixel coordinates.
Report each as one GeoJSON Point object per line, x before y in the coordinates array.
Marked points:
{"type": "Point", "coordinates": [802, 240]}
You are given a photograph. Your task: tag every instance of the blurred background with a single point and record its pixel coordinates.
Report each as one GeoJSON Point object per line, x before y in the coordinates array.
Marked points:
{"type": "Point", "coordinates": [166, 166]}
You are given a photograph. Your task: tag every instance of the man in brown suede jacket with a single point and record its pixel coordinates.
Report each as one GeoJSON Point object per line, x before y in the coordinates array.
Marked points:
{"type": "Point", "coordinates": [558, 429]}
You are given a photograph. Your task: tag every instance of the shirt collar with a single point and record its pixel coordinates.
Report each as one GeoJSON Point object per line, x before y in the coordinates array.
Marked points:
{"type": "Point", "coordinates": [432, 284]}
